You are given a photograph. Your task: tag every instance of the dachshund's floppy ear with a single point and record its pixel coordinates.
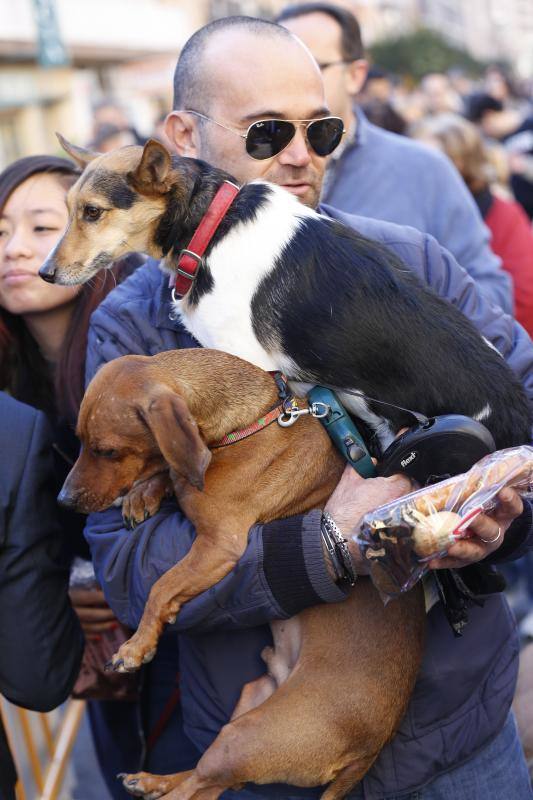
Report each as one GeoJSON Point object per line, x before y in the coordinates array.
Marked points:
{"type": "Point", "coordinates": [176, 433]}
{"type": "Point", "coordinates": [151, 174]}
{"type": "Point", "coordinates": [81, 155]}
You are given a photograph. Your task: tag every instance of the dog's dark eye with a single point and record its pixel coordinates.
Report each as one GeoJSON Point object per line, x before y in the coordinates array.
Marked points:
{"type": "Point", "coordinates": [104, 453]}
{"type": "Point", "coordinates": [92, 213]}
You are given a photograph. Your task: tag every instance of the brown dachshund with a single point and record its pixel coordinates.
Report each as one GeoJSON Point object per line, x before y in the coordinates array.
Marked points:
{"type": "Point", "coordinates": [340, 674]}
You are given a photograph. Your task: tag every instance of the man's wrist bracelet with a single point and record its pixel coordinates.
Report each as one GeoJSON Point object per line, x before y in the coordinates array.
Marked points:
{"type": "Point", "coordinates": [337, 547]}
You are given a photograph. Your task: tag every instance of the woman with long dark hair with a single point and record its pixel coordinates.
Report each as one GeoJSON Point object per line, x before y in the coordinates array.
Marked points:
{"type": "Point", "coordinates": [43, 337]}
{"type": "Point", "coordinates": [43, 327]}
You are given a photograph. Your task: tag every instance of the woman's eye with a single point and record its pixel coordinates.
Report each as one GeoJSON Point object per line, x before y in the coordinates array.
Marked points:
{"type": "Point", "coordinates": [43, 229]}
{"type": "Point", "coordinates": [92, 213]}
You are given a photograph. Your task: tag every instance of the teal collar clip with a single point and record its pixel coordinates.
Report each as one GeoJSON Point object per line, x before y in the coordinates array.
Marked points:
{"type": "Point", "coordinates": [343, 432]}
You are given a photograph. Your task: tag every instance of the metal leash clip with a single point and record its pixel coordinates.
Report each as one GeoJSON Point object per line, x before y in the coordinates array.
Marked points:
{"type": "Point", "coordinates": [291, 412]}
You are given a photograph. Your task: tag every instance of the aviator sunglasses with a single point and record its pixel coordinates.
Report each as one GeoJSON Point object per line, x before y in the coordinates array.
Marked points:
{"type": "Point", "coordinates": [268, 137]}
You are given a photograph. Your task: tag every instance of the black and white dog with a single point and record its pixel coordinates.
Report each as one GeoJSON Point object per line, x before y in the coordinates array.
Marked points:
{"type": "Point", "coordinates": [287, 288]}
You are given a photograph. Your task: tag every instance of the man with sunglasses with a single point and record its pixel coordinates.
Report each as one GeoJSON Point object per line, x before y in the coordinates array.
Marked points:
{"type": "Point", "coordinates": [379, 174]}
{"type": "Point", "coordinates": [249, 99]}
{"type": "Point", "coordinates": [283, 139]}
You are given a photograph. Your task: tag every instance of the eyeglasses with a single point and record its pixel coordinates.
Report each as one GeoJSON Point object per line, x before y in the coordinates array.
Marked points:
{"type": "Point", "coordinates": [329, 64]}
{"type": "Point", "coordinates": [268, 137]}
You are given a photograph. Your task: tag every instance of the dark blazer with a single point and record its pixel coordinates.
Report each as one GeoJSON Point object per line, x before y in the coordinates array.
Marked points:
{"type": "Point", "coordinates": [41, 641]}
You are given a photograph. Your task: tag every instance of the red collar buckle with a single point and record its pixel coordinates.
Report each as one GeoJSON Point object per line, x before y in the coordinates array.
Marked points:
{"type": "Point", "coordinates": [191, 257]}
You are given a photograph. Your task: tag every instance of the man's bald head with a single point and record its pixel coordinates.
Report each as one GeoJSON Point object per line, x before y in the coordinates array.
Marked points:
{"type": "Point", "coordinates": [193, 80]}
{"type": "Point", "coordinates": [238, 71]}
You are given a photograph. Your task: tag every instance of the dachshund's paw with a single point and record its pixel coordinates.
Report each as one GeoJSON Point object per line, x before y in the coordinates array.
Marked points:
{"type": "Point", "coordinates": [170, 612]}
{"type": "Point", "coordinates": [143, 499]}
{"type": "Point", "coordinates": [151, 787]}
{"type": "Point", "coordinates": [133, 654]}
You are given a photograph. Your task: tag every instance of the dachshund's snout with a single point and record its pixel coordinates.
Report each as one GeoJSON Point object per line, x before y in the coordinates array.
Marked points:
{"type": "Point", "coordinates": [67, 499]}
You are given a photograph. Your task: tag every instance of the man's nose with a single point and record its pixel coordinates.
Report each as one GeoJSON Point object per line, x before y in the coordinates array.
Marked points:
{"type": "Point", "coordinates": [297, 154]}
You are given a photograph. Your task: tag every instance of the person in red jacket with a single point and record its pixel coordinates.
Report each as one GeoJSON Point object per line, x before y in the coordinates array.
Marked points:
{"type": "Point", "coordinates": [512, 234]}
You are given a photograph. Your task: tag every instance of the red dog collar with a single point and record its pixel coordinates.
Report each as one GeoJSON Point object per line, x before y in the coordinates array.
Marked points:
{"type": "Point", "coordinates": [191, 257]}
{"type": "Point", "coordinates": [273, 413]}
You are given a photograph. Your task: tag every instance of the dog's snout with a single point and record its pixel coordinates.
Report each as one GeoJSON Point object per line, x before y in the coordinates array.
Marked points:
{"type": "Point", "coordinates": [48, 273]}
{"type": "Point", "coordinates": [66, 499]}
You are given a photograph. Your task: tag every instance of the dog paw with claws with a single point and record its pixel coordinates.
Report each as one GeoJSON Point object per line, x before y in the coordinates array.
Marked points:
{"type": "Point", "coordinates": [151, 787]}
{"type": "Point", "coordinates": [144, 498]}
{"type": "Point", "coordinates": [133, 654]}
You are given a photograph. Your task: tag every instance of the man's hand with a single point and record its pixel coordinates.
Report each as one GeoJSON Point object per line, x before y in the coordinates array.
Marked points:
{"type": "Point", "coordinates": [488, 534]}
{"type": "Point", "coordinates": [356, 496]}
{"type": "Point", "coordinates": [93, 612]}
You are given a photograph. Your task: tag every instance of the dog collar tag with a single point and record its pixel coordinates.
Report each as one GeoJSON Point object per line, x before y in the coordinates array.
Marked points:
{"type": "Point", "coordinates": [192, 256]}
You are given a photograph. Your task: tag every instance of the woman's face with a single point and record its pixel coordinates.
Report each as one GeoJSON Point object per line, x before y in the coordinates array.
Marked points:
{"type": "Point", "coordinates": [31, 222]}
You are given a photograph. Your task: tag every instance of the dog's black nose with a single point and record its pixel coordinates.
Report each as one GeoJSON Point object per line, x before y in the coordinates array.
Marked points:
{"type": "Point", "coordinates": [66, 500]}
{"type": "Point", "coordinates": [47, 274]}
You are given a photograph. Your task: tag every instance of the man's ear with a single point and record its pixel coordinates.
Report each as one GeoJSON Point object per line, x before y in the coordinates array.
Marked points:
{"type": "Point", "coordinates": [151, 175]}
{"type": "Point", "coordinates": [177, 436]}
{"type": "Point", "coordinates": [81, 155]}
{"type": "Point", "coordinates": [181, 130]}
{"type": "Point", "coordinates": [355, 76]}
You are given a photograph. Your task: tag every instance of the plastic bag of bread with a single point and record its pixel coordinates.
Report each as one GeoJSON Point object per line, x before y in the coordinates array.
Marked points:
{"type": "Point", "coordinates": [399, 538]}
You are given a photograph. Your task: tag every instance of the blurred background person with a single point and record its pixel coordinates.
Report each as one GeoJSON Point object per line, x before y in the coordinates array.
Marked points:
{"type": "Point", "coordinates": [461, 83]}
{"type": "Point", "coordinates": [376, 173]}
{"type": "Point", "coordinates": [109, 137]}
{"type": "Point", "coordinates": [377, 86]}
{"type": "Point", "coordinates": [110, 114]}
{"type": "Point", "coordinates": [384, 115]}
{"type": "Point", "coordinates": [376, 99]}
{"type": "Point", "coordinates": [438, 94]}
{"type": "Point", "coordinates": [515, 132]}
{"type": "Point", "coordinates": [512, 235]}
{"type": "Point", "coordinates": [499, 83]}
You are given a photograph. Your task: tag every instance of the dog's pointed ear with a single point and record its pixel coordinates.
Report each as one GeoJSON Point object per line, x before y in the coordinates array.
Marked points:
{"type": "Point", "coordinates": [151, 175]}
{"type": "Point", "coordinates": [177, 436]}
{"type": "Point", "coordinates": [81, 155]}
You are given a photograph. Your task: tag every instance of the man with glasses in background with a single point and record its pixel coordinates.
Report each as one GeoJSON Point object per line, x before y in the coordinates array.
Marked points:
{"type": "Point", "coordinates": [379, 174]}
{"type": "Point", "coordinates": [249, 99]}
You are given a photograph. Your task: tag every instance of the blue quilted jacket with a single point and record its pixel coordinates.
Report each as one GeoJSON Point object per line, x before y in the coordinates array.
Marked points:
{"type": "Point", "coordinates": [465, 686]}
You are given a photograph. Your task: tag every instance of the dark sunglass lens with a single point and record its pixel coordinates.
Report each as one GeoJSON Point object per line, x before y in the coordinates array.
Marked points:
{"type": "Point", "coordinates": [268, 137]}
{"type": "Point", "coordinates": [325, 135]}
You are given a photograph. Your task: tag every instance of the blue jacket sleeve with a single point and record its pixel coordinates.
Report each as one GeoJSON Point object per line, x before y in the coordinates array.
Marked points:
{"type": "Point", "coordinates": [281, 572]}
{"type": "Point", "coordinates": [458, 225]}
{"type": "Point", "coordinates": [41, 641]}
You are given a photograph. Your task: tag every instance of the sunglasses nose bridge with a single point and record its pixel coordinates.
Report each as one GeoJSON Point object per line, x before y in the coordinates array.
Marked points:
{"type": "Point", "coordinates": [298, 148]}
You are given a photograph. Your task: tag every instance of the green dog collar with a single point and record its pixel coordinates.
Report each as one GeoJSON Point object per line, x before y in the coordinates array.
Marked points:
{"type": "Point", "coordinates": [343, 432]}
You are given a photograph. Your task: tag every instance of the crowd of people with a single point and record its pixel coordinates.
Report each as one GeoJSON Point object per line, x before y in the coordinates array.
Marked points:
{"type": "Point", "coordinates": [443, 175]}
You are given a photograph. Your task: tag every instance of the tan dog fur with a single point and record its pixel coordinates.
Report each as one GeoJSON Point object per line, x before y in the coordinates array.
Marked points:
{"type": "Point", "coordinates": [340, 676]}
{"type": "Point", "coordinates": [80, 253]}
